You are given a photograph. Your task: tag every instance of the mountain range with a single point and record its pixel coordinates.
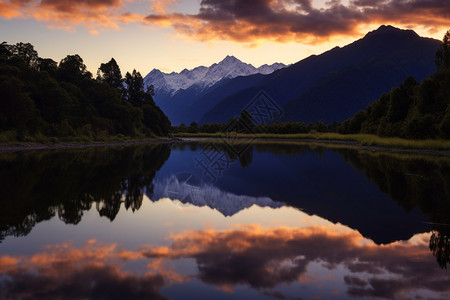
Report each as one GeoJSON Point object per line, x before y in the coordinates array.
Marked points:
{"type": "Point", "coordinates": [177, 91]}
{"type": "Point", "coordinates": [332, 86]}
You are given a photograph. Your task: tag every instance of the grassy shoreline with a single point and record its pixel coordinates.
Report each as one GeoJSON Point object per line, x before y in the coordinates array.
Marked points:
{"type": "Point", "coordinates": [359, 139]}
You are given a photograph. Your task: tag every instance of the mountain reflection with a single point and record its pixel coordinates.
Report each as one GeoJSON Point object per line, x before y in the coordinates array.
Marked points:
{"type": "Point", "coordinates": [190, 190]}
{"type": "Point", "coordinates": [260, 258]}
{"type": "Point", "coordinates": [38, 185]}
{"type": "Point", "coordinates": [416, 182]}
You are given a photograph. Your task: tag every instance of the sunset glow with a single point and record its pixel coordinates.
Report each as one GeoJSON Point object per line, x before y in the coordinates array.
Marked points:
{"type": "Point", "coordinates": [172, 35]}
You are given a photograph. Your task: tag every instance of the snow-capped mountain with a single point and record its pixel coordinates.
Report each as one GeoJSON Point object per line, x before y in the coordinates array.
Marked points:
{"type": "Point", "coordinates": [268, 69]}
{"type": "Point", "coordinates": [204, 77]}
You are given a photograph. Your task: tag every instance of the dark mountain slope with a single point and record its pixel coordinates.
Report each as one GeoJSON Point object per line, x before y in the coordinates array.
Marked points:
{"type": "Point", "coordinates": [339, 82]}
{"type": "Point", "coordinates": [211, 97]}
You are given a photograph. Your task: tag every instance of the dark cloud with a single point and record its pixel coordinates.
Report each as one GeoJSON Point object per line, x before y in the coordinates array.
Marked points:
{"type": "Point", "coordinates": [86, 282]}
{"type": "Point", "coordinates": [74, 6]}
{"type": "Point", "coordinates": [278, 295]}
{"type": "Point", "coordinates": [355, 281]}
{"type": "Point", "coordinates": [286, 20]}
{"type": "Point", "coordinates": [261, 261]}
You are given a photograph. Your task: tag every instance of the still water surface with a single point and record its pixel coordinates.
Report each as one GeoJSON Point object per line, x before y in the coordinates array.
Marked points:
{"type": "Point", "coordinates": [281, 221]}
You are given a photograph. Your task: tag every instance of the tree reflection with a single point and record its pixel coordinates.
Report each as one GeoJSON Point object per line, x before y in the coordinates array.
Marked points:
{"type": "Point", "coordinates": [241, 151]}
{"type": "Point", "coordinates": [246, 157]}
{"type": "Point", "coordinates": [413, 181]}
{"type": "Point", "coordinates": [39, 185]}
{"type": "Point", "coordinates": [71, 210]}
{"type": "Point", "coordinates": [440, 246]}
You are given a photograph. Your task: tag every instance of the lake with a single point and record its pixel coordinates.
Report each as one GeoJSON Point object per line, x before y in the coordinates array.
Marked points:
{"type": "Point", "coordinates": [203, 220]}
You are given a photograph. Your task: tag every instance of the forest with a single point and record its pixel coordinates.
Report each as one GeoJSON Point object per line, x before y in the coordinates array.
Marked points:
{"type": "Point", "coordinates": [43, 100]}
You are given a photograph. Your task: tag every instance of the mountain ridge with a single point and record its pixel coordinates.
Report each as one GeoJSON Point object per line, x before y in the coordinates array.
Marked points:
{"type": "Point", "coordinates": [204, 77]}
{"type": "Point", "coordinates": [336, 84]}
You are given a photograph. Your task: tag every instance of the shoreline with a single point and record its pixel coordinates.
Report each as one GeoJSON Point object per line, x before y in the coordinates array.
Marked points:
{"type": "Point", "coordinates": [374, 148]}
{"type": "Point", "coordinates": [350, 143]}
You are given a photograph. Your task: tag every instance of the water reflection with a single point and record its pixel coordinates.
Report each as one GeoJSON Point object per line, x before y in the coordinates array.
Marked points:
{"type": "Point", "coordinates": [191, 190]}
{"type": "Point", "coordinates": [66, 272]}
{"type": "Point", "coordinates": [39, 185]}
{"type": "Point", "coordinates": [411, 181]}
{"type": "Point", "coordinates": [386, 201]}
{"type": "Point", "coordinates": [440, 245]}
{"type": "Point", "coordinates": [338, 185]}
{"type": "Point", "coordinates": [265, 259]}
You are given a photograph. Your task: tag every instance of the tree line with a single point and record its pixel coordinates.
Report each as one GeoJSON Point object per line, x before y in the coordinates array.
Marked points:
{"type": "Point", "coordinates": [42, 99]}
{"type": "Point", "coordinates": [247, 125]}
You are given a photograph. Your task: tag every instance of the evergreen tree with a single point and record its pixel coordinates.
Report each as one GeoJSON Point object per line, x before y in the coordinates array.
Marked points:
{"type": "Point", "coordinates": [110, 73]}
{"type": "Point", "coordinates": [443, 53]}
{"type": "Point", "coordinates": [72, 69]}
{"type": "Point", "coordinates": [134, 88]}
{"type": "Point", "coordinates": [246, 119]}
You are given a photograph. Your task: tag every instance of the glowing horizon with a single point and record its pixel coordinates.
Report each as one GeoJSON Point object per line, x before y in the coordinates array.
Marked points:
{"type": "Point", "coordinates": [172, 35]}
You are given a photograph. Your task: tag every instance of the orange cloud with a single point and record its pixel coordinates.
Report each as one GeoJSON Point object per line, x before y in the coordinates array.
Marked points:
{"type": "Point", "coordinates": [161, 6]}
{"type": "Point", "coordinates": [96, 15]}
{"type": "Point", "coordinates": [261, 258]}
{"type": "Point", "coordinates": [299, 20]}
{"type": "Point", "coordinates": [9, 10]}
{"type": "Point", "coordinates": [7, 263]}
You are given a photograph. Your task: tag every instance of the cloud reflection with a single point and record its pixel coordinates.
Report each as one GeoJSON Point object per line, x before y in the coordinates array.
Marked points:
{"type": "Point", "coordinates": [261, 258]}
{"type": "Point", "coordinates": [67, 272]}
{"type": "Point", "coordinates": [264, 259]}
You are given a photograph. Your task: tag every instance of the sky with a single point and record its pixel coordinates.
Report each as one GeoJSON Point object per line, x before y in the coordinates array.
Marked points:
{"type": "Point", "coordinates": [171, 35]}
